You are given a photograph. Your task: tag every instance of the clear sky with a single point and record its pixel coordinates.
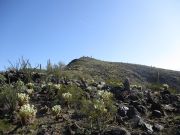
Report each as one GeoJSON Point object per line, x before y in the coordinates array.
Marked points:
{"type": "Point", "coordinates": [134, 31]}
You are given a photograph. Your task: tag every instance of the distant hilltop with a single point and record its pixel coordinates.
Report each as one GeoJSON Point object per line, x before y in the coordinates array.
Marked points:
{"type": "Point", "coordinates": [138, 74]}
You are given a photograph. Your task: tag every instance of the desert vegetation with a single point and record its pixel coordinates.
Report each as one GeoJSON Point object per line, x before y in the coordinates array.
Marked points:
{"type": "Point", "coordinates": [73, 100]}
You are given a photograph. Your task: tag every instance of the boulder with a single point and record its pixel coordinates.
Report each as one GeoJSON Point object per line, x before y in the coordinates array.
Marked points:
{"type": "Point", "coordinates": [157, 106]}
{"type": "Point", "coordinates": [157, 113]}
{"type": "Point", "coordinates": [137, 121]}
{"type": "Point", "coordinates": [116, 131]}
{"type": "Point", "coordinates": [133, 96]}
{"type": "Point", "coordinates": [132, 112]}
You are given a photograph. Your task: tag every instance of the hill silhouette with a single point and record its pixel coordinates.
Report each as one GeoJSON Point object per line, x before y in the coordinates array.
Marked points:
{"type": "Point", "coordinates": [138, 74]}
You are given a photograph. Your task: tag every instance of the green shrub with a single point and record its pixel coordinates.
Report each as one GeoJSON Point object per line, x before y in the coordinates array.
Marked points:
{"type": "Point", "coordinates": [2, 79]}
{"type": "Point", "coordinates": [77, 75]}
{"type": "Point", "coordinates": [54, 69]}
{"type": "Point", "coordinates": [5, 125]}
{"type": "Point", "coordinates": [19, 85]}
{"type": "Point", "coordinates": [155, 87]}
{"type": "Point", "coordinates": [69, 94]}
{"type": "Point", "coordinates": [105, 95]}
{"type": "Point", "coordinates": [114, 82]}
{"type": "Point", "coordinates": [99, 111]}
{"type": "Point", "coordinates": [8, 98]}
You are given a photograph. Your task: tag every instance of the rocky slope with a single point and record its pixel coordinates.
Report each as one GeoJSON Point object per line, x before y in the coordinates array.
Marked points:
{"type": "Point", "coordinates": [95, 108]}
{"type": "Point", "coordinates": [138, 74]}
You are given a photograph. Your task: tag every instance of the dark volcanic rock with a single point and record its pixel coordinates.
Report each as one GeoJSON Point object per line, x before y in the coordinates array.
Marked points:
{"type": "Point", "coordinates": [116, 131]}
{"type": "Point", "coordinates": [141, 109]}
{"type": "Point", "coordinates": [133, 97]}
{"type": "Point", "coordinates": [157, 106]}
{"type": "Point", "coordinates": [119, 93]}
{"type": "Point", "coordinates": [156, 113]}
{"type": "Point", "coordinates": [126, 84]}
{"type": "Point", "coordinates": [137, 121]}
{"type": "Point", "coordinates": [132, 112]}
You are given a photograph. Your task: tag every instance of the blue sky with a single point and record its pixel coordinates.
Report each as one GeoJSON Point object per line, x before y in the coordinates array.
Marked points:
{"type": "Point", "coordinates": [134, 31]}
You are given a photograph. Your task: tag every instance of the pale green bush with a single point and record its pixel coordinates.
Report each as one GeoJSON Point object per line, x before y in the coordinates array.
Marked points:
{"type": "Point", "coordinates": [165, 86]}
{"type": "Point", "coordinates": [57, 86]}
{"type": "Point", "coordinates": [30, 85]}
{"type": "Point", "coordinates": [105, 95]}
{"type": "Point", "coordinates": [138, 87]}
{"type": "Point", "coordinates": [56, 110]}
{"type": "Point", "coordinates": [20, 83]}
{"type": "Point", "coordinates": [23, 98]}
{"type": "Point", "coordinates": [99, 113]}
{"type": "Point", "coordinates": [50, 84]}
{"type": "Point", "coordinates": [30, 91]}
{"type": "Point", "coordinates": [99, 105]}
{"type": "Point", "coordinates": [27, 114]}
{"type": "Point", "coordinates": [67, 96]}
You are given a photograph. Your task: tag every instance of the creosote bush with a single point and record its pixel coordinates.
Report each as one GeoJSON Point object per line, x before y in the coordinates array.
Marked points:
{"type": "Point", "coordinates": [8, 98]}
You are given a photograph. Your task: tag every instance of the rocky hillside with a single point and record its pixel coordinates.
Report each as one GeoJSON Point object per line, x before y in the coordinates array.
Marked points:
{"type": "Point", "coordinates": [89, 97]}
{"type": "Point", "coordinates": [138, 74]}
{"type": "Point", "coordinates": [42, 103]}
